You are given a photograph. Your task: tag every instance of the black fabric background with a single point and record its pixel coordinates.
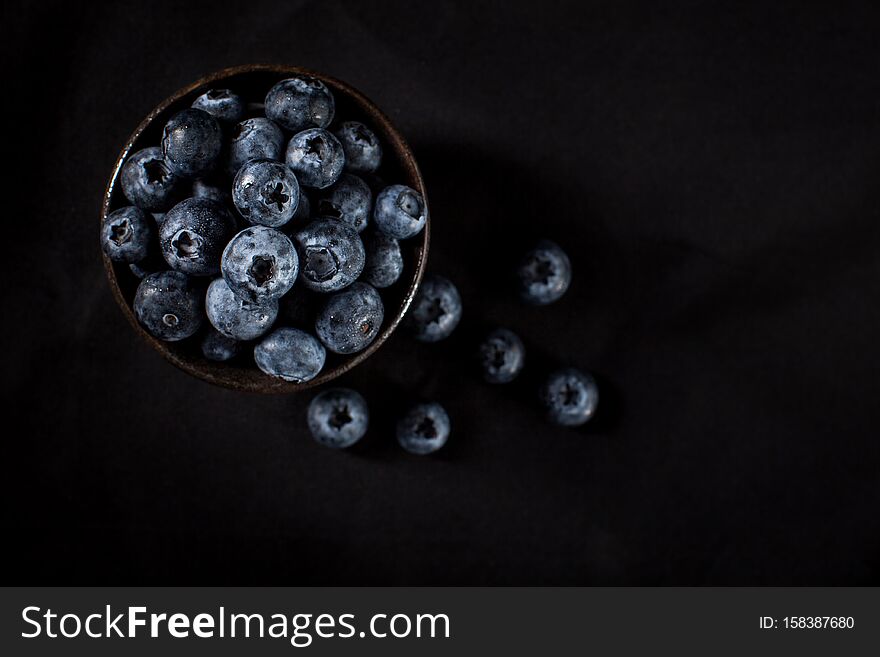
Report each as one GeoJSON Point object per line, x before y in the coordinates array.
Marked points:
{"type": "Point", "coordinates": [713, 173]}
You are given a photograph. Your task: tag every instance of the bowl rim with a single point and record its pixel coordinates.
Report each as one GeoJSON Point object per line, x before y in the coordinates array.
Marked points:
{"type": "Point", "coordinates": [268, 384]}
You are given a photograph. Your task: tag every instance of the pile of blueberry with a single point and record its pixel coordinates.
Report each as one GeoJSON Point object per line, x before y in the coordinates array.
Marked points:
{"type": "Point", "coordinates": [263, 231]}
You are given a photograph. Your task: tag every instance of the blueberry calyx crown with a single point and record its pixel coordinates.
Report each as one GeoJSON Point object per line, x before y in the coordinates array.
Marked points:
{"type": "Point", "coordinates": [187, 244]}
{"type": "Point", "coordinates": [321, 264]}
{"type": "Point", "coordinates": [262, 269]}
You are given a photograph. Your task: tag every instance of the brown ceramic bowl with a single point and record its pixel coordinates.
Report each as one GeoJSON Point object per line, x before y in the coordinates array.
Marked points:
{"type": "Point", "coordinates": [398, 166]}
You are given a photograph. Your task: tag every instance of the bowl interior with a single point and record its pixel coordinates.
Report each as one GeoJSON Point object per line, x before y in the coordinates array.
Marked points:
{"type": "Point", "coordinates": [398, 166]}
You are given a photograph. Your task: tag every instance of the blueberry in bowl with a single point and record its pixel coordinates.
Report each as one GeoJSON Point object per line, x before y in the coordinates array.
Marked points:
{"type": "Point", "coordinates": [207, 228]}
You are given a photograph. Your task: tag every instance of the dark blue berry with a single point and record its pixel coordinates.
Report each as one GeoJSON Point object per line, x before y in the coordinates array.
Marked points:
{"type": "Point", "coordinates": [299, 103]}
{"type": "Point", "coordinates": [362, 148]}
{"type": "Point", "coordinates": [126, 235]}
{"type": "Point", "coordinates": [218, 347]}
{"type": "Point", "coordinates": [191, 143]}
{"type": "Point", "coordinates": [544, 274]}
{"type": "Point", "coordinates": [290, 354]}
{"type": "Point", "coordinates": [570, 397]}
{"type": "Point", "coordinates": [424, 429]}
{"type": "Point", "coordinates": [331, 253]}
{"type": "Point", "coordinates": [266, 193]}
{"type": "Point", "coordinates": [338, 417]}
{"type": "Point", "coordinates": [148, 183]}
{"type": "Point", "coordinates": [236, 318]}
{"type": "Point", "coordinates": [316, 157]}
{"type": "Point", "coordinates": [222, 104]}
{"type": "Point", "coordinates": [350, 320]}
{"type": "Point", "coordinates": [260, 264]}
{"type": "Point", "coordinates": [254, 139]}
{"type": "Point", "coordinates": [384, 261]}
{"type": "Point", "coordinates": [169, 305]}
{"type": "Point", "coordinates": [400, 212]}
{"type": "Point", "coordinates": [435, 311]}
{"type": "Point", "coordinates": [193, 234]}
{"type": "Point", "coordinates": [502, 356]}
{"type": "Point", "coordinates": [204, 189]}
{"type": "Point", "coordinates": [349, 201]}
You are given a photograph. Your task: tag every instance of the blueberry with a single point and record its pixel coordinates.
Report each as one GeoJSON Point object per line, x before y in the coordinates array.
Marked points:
{"type": "Point", "coordinates": [191, 143]}
{"type": "Point", "coordinates": [266, 193]}
{"type": "Point", "coordinates": [424, 429]}
{"type": "Point", "coordinates": [218, 347]}
{"type": "Point", "coordinates": [169, 305]}
{"type": "Point", "coordinates": [193, 235]}
{"type": "Point", "coordinates": [204, 189]}
{"type": "Point", "coordinates": [254, 139]}
{"type": "Point", "coordinates": [260, 264]}
{"type": "Point", "coordinates": [502, 356]}
{"type": "Point", "coordinates": [543, 274]}
{"type": "Point", "coordinates": [400, 212]}
{"type": "Point", "coordinates": [570, 397]}
{"type": "Point", "coordinates": [236, 318]}
{"type": "Point", "coordinates": [316, 157]}
{"type": "Point", "coordinates": [299, 103]}
{"type": "Point", "coordinates": [338, 417]}
{"type": "Point", "coordinates": [350, 320]}
{"type": "Point", "coordinates": [148, 183]}
{"type": "Point", "coordinates": [290, 354]}
{"type": "Point", "coordinates": [349, 201]}
{"type": "Point", "coordinates": [222, 104]}
{"type": "Point", "coordinates": [126, 235]}
{"type": "Point", "coordinates": [384, 261]}
{"type": "Point", "coordinates": [363, 151]}
{"type": "Point", "coordinates": [332, 255]}
{"type": "Point", "coordinates": [435, 311]}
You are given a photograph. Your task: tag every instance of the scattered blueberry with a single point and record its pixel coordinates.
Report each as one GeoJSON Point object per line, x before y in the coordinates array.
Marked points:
{"type": "Point", "coordinates": [191, 143]}
{"type": "Point", "coordinates": [363, 151]}
{"type": "Point", "coordinates": [384, 261]}
{"type": "Point", "coordinates": [260, 264]}
{"type": "Point", "coordinates": [299, 103]}
{"type": "Point", "coordinates": [126, 235]}
{"type": "Point", "coordinates": [236, 318]}
{"type": "Point", "coordinates": [316, 157]}
{"type": "Point", "coordinates": [570, 397]}
{"type": "Point", "coordinates": [502, 356]}
{"type": "Point", "coordinates": [350, 320]}
{"type": "Point", "coordinates": [435, 311]}
{"type": "Point", "coordinates": [338, 417]}
{"type": "Point", "coordinates": [148, 183]}
{"type": "Point", "coordinates": [544, 274]}
{"type": "Point", "coordinates": [219, 348]}
{"type": "Point", "coordinates": [400, 212]}
{"type": "Point", "coordinates": [290, 354]}
{"type": "Point", "coordinates": [254, 139]}
{"type": "Point", "coordinates": [424, 429]}
{"type": "Point", "coordinates": [349, 201]}
{"type": "Point", "coordinates": [331, 253]}
{"type": "Point", "coordinates": [266, 192]}
{"type": "Point", "coordinates": [169, 305]}
{"type": "Point", "coordinates": [222, 104]}
{"type": "Point", "coordinates": [193, 234]}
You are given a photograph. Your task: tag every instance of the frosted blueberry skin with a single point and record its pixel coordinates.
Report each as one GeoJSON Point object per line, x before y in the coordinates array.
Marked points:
{"type": "Point", "coordinates": [570, 397]}
{"type": "Point", "coordinates": [331, 255]}
{"type": "Point", "coordinates": [254, 139]}
{"type": "Point", "coordinates": [218, 347]}
{"type": "Point", "coordinates": [338, 417]}
{"type": "Point", "coordinates": [350, 320]}
{"type": "Point", "coordinates": [316, 157]}
{"type": "Point", "coordinates": [168, 305]}
{"type": "Point", "coordinates": [384, 260]}
{"type": "Point", "coordinates": [435, 311]}
{"type": "Point", "coordinates": [266, 193]}
{"type": "Point", "coordinates": [543, 274]}
{"type": "Point", "coordinates": [126, 235]}
{"type": "Point", "coordinates": [222, 104]}
{"type": "Point", "coordinates": [400, 212]}
{"type": "Point", "coordinates": [260, 264]}
{"type": "Point", "coordinates": [424, 429]}
{"type": "Point", "coordinates": [236, 318]}
{"type": "Point", "coordinates": [290, 354]}
{"type": "Point", "coordinates": [502, 356]}
{"type": "Point", "coordinates": [362, 148]}
{"type": "Point", "coordinates": [299, 103]}
{"type": "Point", "coordinates": [148, 183]}
{"type": "Point", "coordinates": [193, 234]}
{"type": "Point", "coordinates": [349, 200]}
{"type": "Point", "coordinates": [191, 143]}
